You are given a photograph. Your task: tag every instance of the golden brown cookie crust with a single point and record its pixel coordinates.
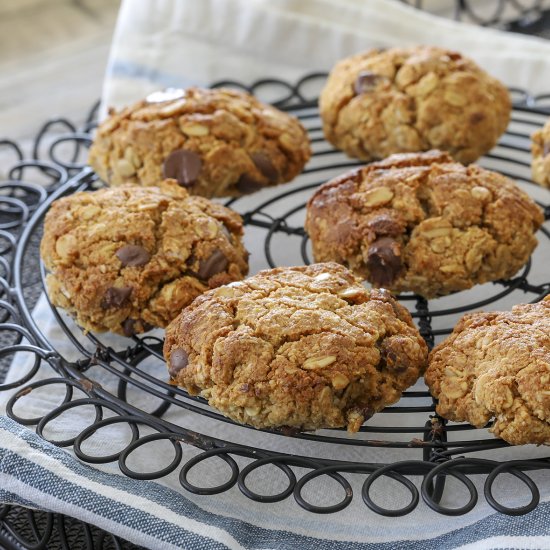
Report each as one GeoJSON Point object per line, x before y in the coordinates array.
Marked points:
{"type": "Point", "coordinates": [305, 347]}
{"type": "Point", "coordinates": [541, 156]}
{"type": "Point", "coordinates": [422, 222]}
{"type": "Point", "coordinates": [217, 143]}
{"type": "Point", "coordinates": [497, 366]}
{"type": "Point", "coordinates": [129, 258]}
{"type": "Point", "coordinates": [378, 103]}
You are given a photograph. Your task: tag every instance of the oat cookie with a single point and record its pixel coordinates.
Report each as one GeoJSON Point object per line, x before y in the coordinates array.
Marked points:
{"type": "Point", "coordinates": [304, 347]}
{"type": "Point", "coordinates": [216, 143]}
{"type": "Point", "coordinates": [378, 103]}
{"type": "Point", "coordinates": [497, 366]}
{"type": "Point", "coordinates": [541, 156]}
{"type": "Point", "coordinates": [422, 222]}
{"type": "Point", "coordinates": [130, 258]}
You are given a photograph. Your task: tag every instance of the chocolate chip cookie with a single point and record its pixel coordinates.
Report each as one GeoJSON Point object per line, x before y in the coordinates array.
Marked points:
{"type": "Point", "coordinates": [541, 156]}
{"type": "Point", "coordinates": [215, 143]}
{"type": "Point", "coordinates": [497, 366]}
{"type": "Point", "coordinates": [422, 222]}
{"type": "Point", "coordinates": [130, 258]}
{"type": "Point", "coordinates": [378, 103]}
{"type": "Point", "coordinates": [303, 347]}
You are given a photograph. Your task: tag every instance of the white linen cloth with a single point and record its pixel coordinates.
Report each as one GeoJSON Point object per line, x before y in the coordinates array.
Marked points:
{"type": "Point", "coordinates": [160, 43]}
{"type": "Point", "coordinates": [164, 43]}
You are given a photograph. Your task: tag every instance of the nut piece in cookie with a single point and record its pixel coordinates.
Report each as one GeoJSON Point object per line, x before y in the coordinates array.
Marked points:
{"type": "Point", "coordinates": [214, 143]}
{"type": "Point", "coordinates": [421, 222]}
{"type": "Point", "coordinates": [129, 258]}
{"type": "Point", "coordinates": [400, 100]}
{"type": "Point", "coordinates": [496, 366]}
{"type": "Point", "coordinates": [299, 347]}
{"type": "Point", "coordinates": [541, 156]}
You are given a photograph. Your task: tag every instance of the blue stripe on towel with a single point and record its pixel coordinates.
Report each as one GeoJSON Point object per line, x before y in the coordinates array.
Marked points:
{"type": "Point", "coordinates": [250, 536]}
{"type": "Point", "coordinates": [130, 69]}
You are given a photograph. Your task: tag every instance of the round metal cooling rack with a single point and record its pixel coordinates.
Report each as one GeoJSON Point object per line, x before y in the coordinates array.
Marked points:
{"type": "Point", "coordinates": [123, 381]}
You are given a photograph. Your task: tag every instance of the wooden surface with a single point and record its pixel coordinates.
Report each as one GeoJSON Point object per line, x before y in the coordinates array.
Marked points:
{"type": "Point", "coordinates": [53, 55]}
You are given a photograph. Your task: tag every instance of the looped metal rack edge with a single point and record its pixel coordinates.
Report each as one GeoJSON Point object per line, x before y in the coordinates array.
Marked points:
{"type": "Point", "coordinates": [434, 448]}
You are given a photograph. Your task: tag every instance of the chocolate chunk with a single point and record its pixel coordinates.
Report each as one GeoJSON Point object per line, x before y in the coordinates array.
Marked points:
{"type": "Point", "coordinates": [395, 358]}
{"type": "Point", "coordinates": [289, 431]}
{"type": "Point", "coordinates": [265, 166]}
{"type": "Point", "coordinates": [182, 165]}
{"type": "Point", "coordinates": [384, 261]}
{"type": "Point", "coordinates": [384, 224]}
{"type": "Point", "coordinates": [116, 297]}
{"type": "Point", "coordinates": [476, 117]}
{"type": "Point", "coordinates": [129, 327]}
{"type": "Point", "coordinates": [133, 255]}
{"type": "Point", "coordinates": [546, 150]}
{"type": "Point", "coordinates": [366, 82]}
{"type": "Point", "coordinates": [178, 361]}
{"type": "Point", "coordinates": [215, 263]}
{"type": "Point", "coordinates": [247, 184]}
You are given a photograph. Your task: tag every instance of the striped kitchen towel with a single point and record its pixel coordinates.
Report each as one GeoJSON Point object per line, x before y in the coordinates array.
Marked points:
{"type": "Point", "coordinates": [37, 474]}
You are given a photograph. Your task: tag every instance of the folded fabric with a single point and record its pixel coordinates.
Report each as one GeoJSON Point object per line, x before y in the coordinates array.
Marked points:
{"type": "Point", "coordinates": [178, 43]}
{"type": "Point", "coordinates": [34, 473]}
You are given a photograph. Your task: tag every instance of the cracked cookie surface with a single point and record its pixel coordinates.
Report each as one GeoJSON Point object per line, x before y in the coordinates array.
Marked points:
{"type": "Point", "coordinates": [130, 258]}
{"type": "Point", "coordinates": [541, 156]}
{"type": "Point", "coordinates": [422, 222]}
{"type": "Point", "coordinates": [497, 366]}
{"type": "Point", "coordinates": [378, 103]}
{"type": "Point", "coordinates": [216, 143]}
{"type": "Point", "coordinates": [303, 347]}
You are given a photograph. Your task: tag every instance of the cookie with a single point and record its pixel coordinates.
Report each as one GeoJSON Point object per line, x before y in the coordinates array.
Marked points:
{"type": "Point", "coordinates": [497, 366]}
{"type": "Point", "coordinates": [300, 347]}
{"type": "Point", "coordinates": [422, 222]}
{"type": "Point", "coordinates": [378, 103]}
{"type": "Point", "coordinates": [130, 258]}
{"type": "Point", "coordinates": [541, 156]}
{"type": "Point", "coordinates": [216, 143]}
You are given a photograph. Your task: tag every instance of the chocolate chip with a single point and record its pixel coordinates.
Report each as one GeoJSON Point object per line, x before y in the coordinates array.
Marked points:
{"type": "Point", "coordinates": [178, 361]}
{"type": "Point", "coordinates": [182, 165]}
{"type": "Point", "coordinates": [384, 224]}
{"type": "Point", "coordinates": [215, 263]}
{"type": "Point", "coordinates": [247, 184]}
{"type": "Point", "coordinates": [393, 355]}
{"type": "Point", "coordinates": [546, 150]}
{"type": "Point", "coordinates": [384, 261]}
{"type": "Point", "coordinates": [129, 327]}
{"type": "Point", "coordinates": [133, 255]}
{"type": "Point", "coordinates": [265, 166]}
{"type": "Point", "coordinates": [289, 431]}
{"type": "Point", "coordinates": [476, 117]}
{"type": "Point", "coordinates": [115, 297]}
{"type": "Point", "coordinates": [366, 82]}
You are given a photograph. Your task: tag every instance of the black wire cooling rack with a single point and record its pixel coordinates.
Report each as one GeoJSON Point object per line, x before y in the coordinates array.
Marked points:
{"type": "Point", "coordinates": [115, 377]}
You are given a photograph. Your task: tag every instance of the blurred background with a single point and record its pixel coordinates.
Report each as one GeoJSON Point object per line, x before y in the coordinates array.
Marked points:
{"type": "Point", "coordinates": [53, 53]}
